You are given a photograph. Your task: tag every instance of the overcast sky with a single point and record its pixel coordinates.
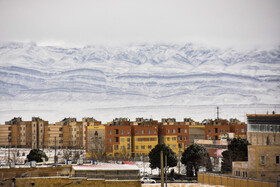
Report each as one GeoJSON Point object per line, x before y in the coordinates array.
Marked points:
{"type": "Point", "coordinates": [222, 23]}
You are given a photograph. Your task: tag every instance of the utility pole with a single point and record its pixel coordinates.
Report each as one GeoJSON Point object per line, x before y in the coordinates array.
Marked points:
{"type": "Point", "coordinates": [217, 112]}
{"type": "Point", "coordinates": [55, 149]}
{"type": "Point", "coordinates": [161, 167]}
{"type": "Point", "coordinates": [166, 170]}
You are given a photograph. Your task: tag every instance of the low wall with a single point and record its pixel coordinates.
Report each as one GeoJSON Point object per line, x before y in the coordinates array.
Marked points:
{"type": "Point", "coordinates": [65, 181]}
{"type": "Point", "coordinates": [227, 180]}
{"type": "Point", "coordinates": [9, 173]}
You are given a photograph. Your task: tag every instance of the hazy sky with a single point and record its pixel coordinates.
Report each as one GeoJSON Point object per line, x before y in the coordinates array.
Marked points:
{"type": "Point", "coordinates": [237, 23]}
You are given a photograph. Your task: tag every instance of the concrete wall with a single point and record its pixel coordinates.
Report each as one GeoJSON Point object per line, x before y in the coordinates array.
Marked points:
{"type": "Point", "coordinates": [64, 181]}
{"type": "Point", "coordinates": [214, 179]}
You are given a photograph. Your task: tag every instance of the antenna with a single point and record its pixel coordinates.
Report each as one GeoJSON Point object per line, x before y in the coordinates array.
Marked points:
{"type": "Point", "coordinates": [217, 112]}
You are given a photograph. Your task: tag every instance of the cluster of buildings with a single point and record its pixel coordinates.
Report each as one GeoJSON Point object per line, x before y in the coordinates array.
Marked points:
{"type": "Point", "coordinates": [120, 137]}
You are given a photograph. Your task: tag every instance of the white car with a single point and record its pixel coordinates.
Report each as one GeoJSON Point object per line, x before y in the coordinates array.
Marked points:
{"type": "Point", "coordinates": [147, 180]}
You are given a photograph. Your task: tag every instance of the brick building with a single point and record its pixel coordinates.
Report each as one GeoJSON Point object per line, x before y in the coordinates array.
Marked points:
{"type": "Point", "coordinates": [118, 138]}
{"type": "Point", "coordinates": [222, 129]}
{"type": "Point", "coordinates": [144, 136]}
{"type": "Point", "coordinates": [174, 134]}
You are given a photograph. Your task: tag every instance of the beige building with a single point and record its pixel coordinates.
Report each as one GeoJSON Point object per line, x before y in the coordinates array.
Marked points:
{"type": "Point", "coordinates": [54, 135]}
{"type": "Point", "coordinates": [264, 151]}
{"type": "Point", "coordinates": [95, 141]}
{"type": "Point", "coordinates": [27, 133]}
{"type": "Point", "coordinates": [5, 135]}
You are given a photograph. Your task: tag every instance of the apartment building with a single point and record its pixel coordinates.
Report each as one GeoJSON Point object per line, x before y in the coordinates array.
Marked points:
{"type": "Point", "coordinates": [118, 134]}
{"type": "Point", "coordinates": [264, 151]}
{"type": "Point", "coordinates": [222, 129]}
{"type": "Point", "coordinates": [27, 133]}
{"type": "Point", "coordinates": [144, 136]}
{"type": "Point", "coordinates": [5, 135]}
{"type": "Point", "coordinates": [95, 140]}
{"type": "Point", "coordinates": [174, 134]}
{"type": "Point", "coordinates": [54, 135]}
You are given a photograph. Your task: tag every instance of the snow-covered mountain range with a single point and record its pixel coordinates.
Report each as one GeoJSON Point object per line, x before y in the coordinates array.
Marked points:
{"type": "Point", "coordinates": [139, 76]}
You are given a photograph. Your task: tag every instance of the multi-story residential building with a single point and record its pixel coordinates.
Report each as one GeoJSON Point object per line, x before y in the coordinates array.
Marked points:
{"type": "Point", "coordinates": [174, 134]}
{"type": "Point", "coordinates": [220, 128]}
{"type": "Point", "coordinates": [95, 140]}
{"type": "Point", "coordinates": [118, 134]}
{"type": "Point", "coordinates": [264, 151]}
{"type": "Point", "coordinates": [5, 135]}
{"type": "Point", "coordinates": [144, 136]}
{"type": "Point", "coordinates": [74, 133]}
{"type": "Point", "coordinates": [27, 133]}
{"type": "Point", "coordinates": [53, 135]}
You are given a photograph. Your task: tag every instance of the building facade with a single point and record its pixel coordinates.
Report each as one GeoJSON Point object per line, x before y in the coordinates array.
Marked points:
{"type": "Point", "coordinates": [174, 134]}
{"type": "Point", "coordinates": [264, 151]}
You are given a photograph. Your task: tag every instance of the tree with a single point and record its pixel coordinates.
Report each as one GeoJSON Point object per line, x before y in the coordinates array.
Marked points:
{"type": "Point", "coordinates": [237, 151]}
{"type": "Point", "coordinates": [154, 156]}
{"type": "Point", "coordinates": [194, 157]}
{"type": "Point", "coordinates": [37, 155]}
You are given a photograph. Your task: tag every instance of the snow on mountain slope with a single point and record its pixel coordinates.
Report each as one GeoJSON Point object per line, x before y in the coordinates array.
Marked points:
{"type": "Point", "coordinates": [140, 75]}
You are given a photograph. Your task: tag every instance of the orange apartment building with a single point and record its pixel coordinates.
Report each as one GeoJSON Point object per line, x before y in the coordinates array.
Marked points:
{"type": "Point", "coordinates": [222, 129]}
{"type": "Point", "coordinates": [118, 138]}
{"type": "Point", "coordinates": [144, 136]}
{"type": "Point", "coordinates": [174, 134]}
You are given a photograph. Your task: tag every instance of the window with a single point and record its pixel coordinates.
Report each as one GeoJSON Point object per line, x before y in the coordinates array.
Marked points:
{"type": "Point", "coordinates": [116, 139]}
{"type": "Point", "coordinates": [168, 139]}
{"type": "Point", "coordinates": [185, 138]}
{"type": "Point", "coordinates": [242, 130]}
{"type": "Point", "coordinates": [116, 147]}
{"type": "Point", "coordinates": [186, 131]}
{"type": "Point", "coordinates": [149, 139]}
{"type": "Point", "coordinates": [128, 139]}
{"type": "Point", "coordinates": [122, 131]}
{"type": "Point", "coordinates": [174, 146]}
{"type": "Point", "coordinates": [209, 131]}
{"type": "Point", "coordinates": [155, 139]}
{"type": "Point", "coordinates": [180, 146]}
{"type": "Point", "coordinates": [128, 146]}
{"type": "Point", "coordinates": [136, 146]}
{"type": "Point", "coordinates": [149, 147]}
{"type": "Point", "coordinates": [149, 131]}
{"type": "Point", "coordinates": [60, 135]}
{"type": "Point", "coordinates": [221, 131]}
{"type": "Point", "coordinates": [179, 130]}
{"type": "Point", "coordinates": [173, 131]}
{"type": "Point", "coordinates": [122, 139]}
{"type": "Point", "coordinates": [167, 130]}
{"type": "Point", "coordinates": [137, 139]}
{"type": "Point", "coordinates": [122, 148]}
{"type": "Point", "coordinates": [143, 131]}
{"type": "Point", "coordinates": [262, 160]}
{"type": "Point", "coordinates": [137, 132]}
{"type": "Point", "coordinates": [110, 132]}
{"type": "Point", "coordinates": [142, 139]}
{"type": "Point", "coordinates": [186, 146]}
{"type": "Point", "coordinates": [128, 132]}
{"type": "Point", "coordinates": [277, 159]}
{"type": "Point", "coordinates": [180, 138]}
{"type": "Point", "coordinates": [174, 138]}
{"type": "Point", "coordinates": [226, 130]}
{"type": "Point", "coordinates": [237, 130]}
{"type": "Point", "coordinates": [216, 130]}
{"type": "Point", "coordinates": [155, 131]}
{"type": "Point", "coordinates": [143, 147]}
{"type": "Point", "coordinates": [116, 131]}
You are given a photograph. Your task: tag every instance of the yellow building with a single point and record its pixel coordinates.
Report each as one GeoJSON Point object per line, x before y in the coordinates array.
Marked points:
{"type": "Point", "coordinates": [174, 134]}
{"type": "Point", "coordinates": [95, 141]}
